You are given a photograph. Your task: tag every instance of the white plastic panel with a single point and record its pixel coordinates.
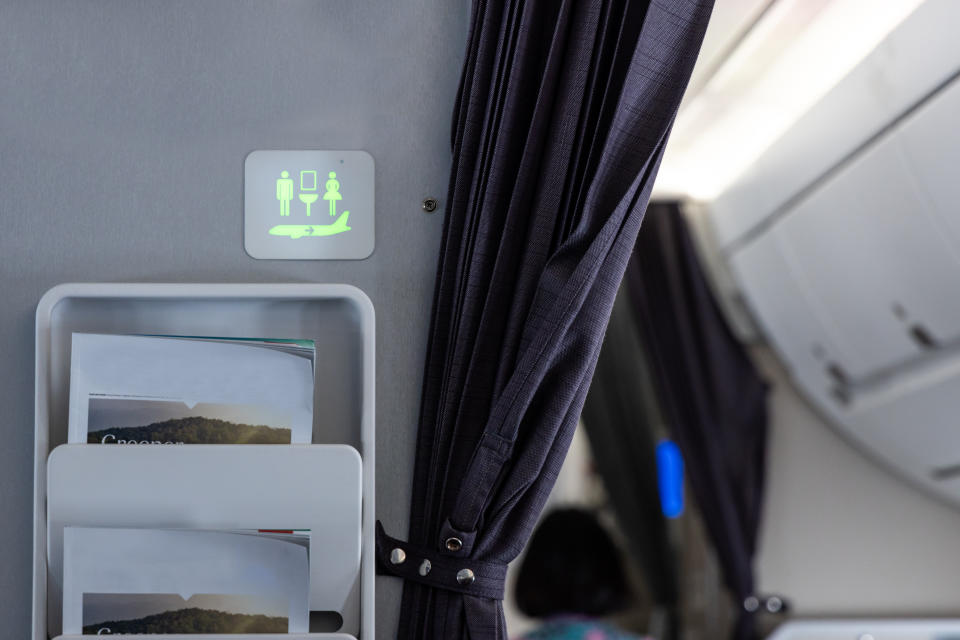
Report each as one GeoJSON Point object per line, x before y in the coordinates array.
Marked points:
{"type": "Point", "coordinates": [931, 143]}
{"type": "Point", "coordinates": [869, 630]}
{"type": "Point", "coordinates": [805, 344]}
{"type": "Point", "coordinates": [913, 425]}
{"type": "Point", "coordinates": [910, 63]}
{"type": "Point", "coordinates": [865, 243]}
{"type": "Point", "coordinates": [216, 487]}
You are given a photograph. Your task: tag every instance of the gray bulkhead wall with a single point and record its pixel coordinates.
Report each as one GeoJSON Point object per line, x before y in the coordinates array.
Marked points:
{"type": "Point", "coordinates": [123, 129]}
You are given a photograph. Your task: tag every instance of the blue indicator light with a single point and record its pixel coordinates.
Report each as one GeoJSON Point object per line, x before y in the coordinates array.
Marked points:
{"type": "Point", "coordinates": [670, 478]}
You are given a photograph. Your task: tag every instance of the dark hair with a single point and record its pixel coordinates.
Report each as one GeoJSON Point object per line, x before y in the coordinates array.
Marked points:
{"type": "Point", "coordinates": [571, 566]}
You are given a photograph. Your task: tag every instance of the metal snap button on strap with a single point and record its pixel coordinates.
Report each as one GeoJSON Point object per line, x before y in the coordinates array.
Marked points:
{"type": "Point", "coordinates": [439, 568]}
{"type": "Point", "coordinates": [454, 544]}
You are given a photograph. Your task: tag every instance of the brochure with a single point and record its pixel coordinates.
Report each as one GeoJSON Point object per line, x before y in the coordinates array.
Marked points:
{"type": "Point", "coordinates": [134, 581]}
{"type": "Point", "coordinates": [171, 390]}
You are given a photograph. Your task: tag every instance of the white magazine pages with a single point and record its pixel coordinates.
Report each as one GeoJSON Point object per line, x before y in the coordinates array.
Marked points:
{"type": "Point", "coordinates": [171, 390]}
{"type": "Point", "coordinates": [133, 581]}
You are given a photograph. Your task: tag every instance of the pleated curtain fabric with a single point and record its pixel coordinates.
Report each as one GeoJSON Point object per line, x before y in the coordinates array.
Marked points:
{"type": "Point", "coordinates": [712, 397]}
{"type": "Point", "coordinates": [623, 423]}
{"type": "Point", "coordinates": [559, 126]}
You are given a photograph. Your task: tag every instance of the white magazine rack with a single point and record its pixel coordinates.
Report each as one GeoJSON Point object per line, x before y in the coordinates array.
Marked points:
{"type": "Point", "coordinates": [340, 320]}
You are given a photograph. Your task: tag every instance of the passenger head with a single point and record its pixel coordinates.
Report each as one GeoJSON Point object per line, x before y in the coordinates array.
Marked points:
{"type": "Point", "coordinates": [571, 567]}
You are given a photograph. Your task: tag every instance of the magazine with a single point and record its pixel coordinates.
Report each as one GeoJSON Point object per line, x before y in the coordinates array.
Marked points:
{"type": "Point", "coordinates": [134, 581]}
{"type": "Point", "coordinates": [171, 390]}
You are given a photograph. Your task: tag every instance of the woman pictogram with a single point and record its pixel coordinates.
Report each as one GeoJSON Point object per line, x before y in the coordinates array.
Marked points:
{"type": "Point", "coordinates": [333, 193]}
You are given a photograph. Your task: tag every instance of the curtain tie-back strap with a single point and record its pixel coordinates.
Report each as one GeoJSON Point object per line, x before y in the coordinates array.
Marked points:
{"type": "Point", "coordinates": [438, 570]}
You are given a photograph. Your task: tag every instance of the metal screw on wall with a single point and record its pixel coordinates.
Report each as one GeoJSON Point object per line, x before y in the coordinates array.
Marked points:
{"type": "Point", "coordinates": [430, 204]}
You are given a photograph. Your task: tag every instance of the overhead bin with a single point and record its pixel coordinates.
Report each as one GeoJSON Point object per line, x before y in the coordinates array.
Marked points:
{"type": "Point", "coordinates": [808, 347]}
{"type": "Point", "coordinates": [877, 265]}
{"type": "Point", "coordinates": [930, 148]}
{"type": "Point", "coordinates": [915, 60]}
{"type": "Point", "coordinates": [845, 244]}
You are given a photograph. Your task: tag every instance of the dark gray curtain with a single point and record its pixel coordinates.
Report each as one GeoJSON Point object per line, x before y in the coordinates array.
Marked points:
{"type": "Point", "coordinates": [623, 423]}
{"type": "Point", "coordinates": [560, 122]}
{"type": "Point", "coordinates": [713, 399]}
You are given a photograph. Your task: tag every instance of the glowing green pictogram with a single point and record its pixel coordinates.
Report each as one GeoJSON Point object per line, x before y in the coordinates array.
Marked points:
{"type": "Point", "coordinates": [333, 193]}
{"type": "Point", "coordinates": [312, 230]}
{"type": "Point", "coordinates": [308, 183]}
{"type": "Point", "coordinates": [336, 218]}
{"type": "Point", "coordinates": [284, 192]}
{"type": "Point", "coordinates": [308, 195]}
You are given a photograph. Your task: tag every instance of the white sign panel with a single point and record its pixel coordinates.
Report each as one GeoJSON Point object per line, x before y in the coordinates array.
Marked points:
{"type": "Point", "coordinates": [308, 205]}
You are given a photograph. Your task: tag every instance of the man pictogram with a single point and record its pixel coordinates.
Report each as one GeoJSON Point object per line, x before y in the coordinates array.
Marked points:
{"type": "Point", "coordinates": [284, 192]}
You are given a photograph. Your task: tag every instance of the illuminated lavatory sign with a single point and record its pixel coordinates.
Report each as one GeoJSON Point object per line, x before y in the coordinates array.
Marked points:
{"type": "Point", "coordinates": [308, 205]}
